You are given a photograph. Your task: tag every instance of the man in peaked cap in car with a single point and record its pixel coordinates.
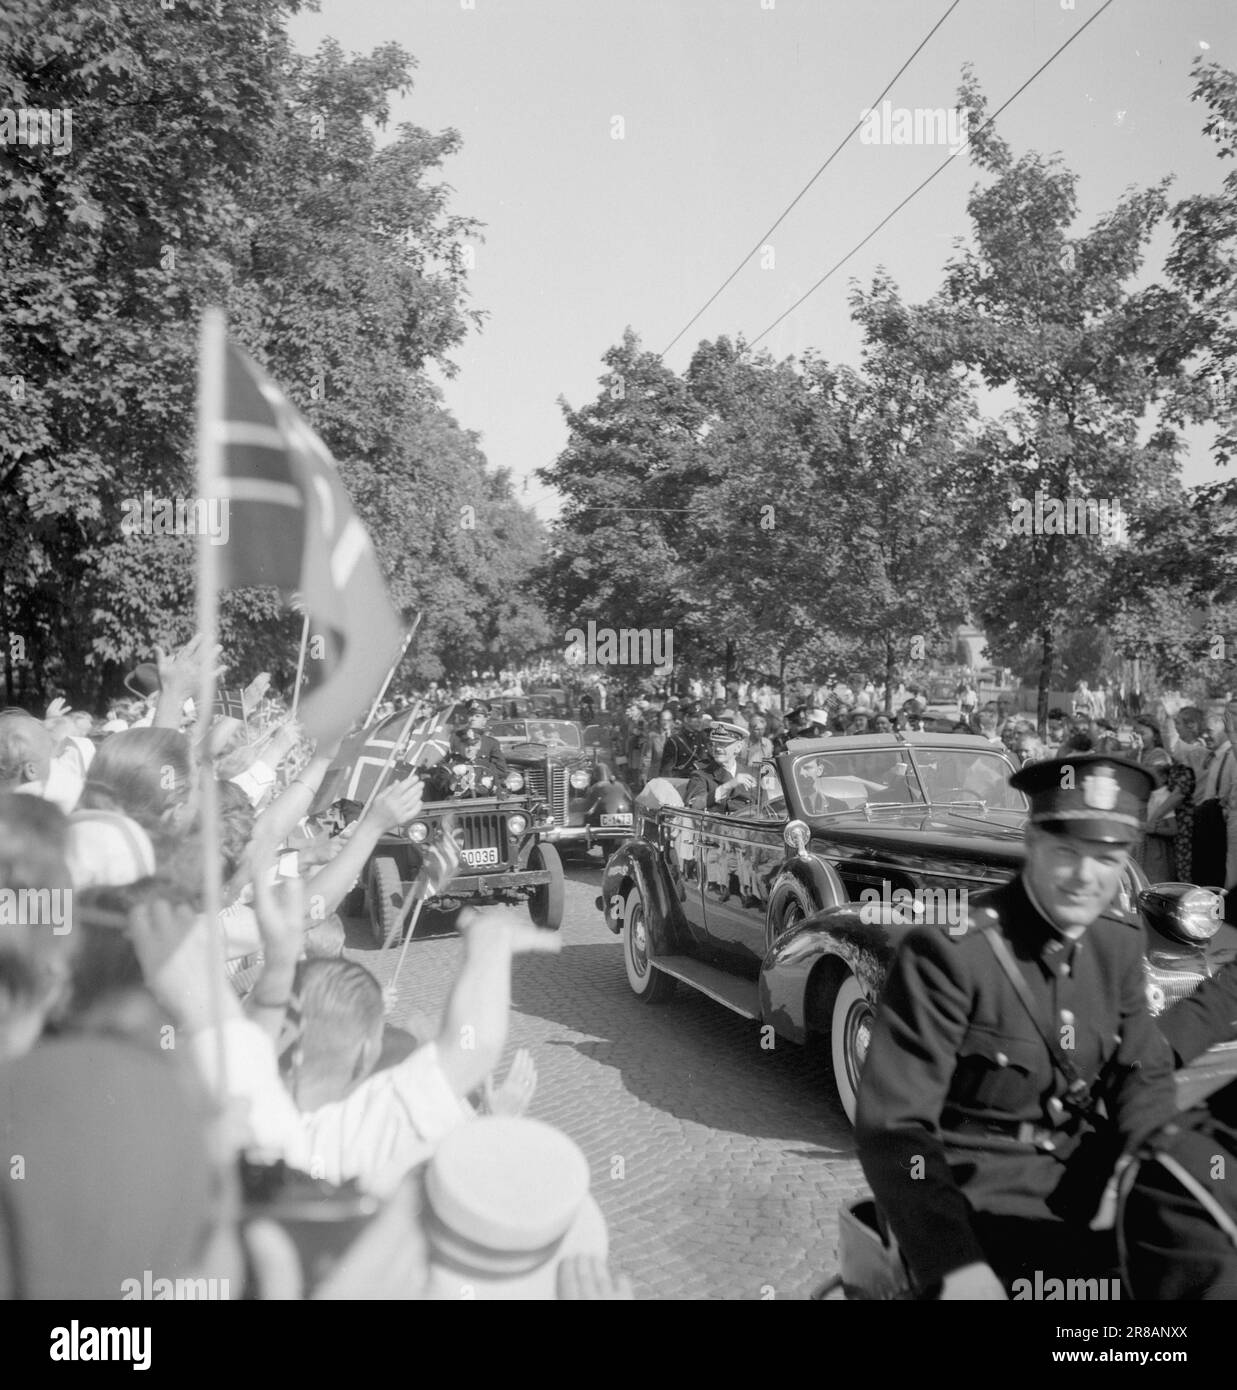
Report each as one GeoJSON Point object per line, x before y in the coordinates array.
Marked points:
{"type": "Point", "coordinates": [489, 751]}
{"type": "Point", "coordinates": [993, 1040]}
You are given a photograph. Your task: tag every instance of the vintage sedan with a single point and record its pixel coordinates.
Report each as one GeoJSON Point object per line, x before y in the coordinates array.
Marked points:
{"type": "Point", "coordinates": [789, 912]}
{"type": "Point", "coordinates": [589, 804]}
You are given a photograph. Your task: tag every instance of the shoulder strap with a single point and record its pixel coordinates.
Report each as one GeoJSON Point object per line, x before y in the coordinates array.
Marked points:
{"type": "Point", "coordinates": [1077, 1086]}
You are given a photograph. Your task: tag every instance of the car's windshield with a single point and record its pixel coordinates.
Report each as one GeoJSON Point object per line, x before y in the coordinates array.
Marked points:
{"type": "Point", "coordinates": [555, 732]}
{"type": "Point", "coordinates": [858, 778]}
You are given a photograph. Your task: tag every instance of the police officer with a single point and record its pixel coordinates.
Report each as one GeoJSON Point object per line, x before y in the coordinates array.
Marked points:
{"type": "Point", "coordinates": [489, 751]}
{"type": "Point", "coordinates": [687, 747]}
{"type": "Point", "coordinates": [976, 1124]}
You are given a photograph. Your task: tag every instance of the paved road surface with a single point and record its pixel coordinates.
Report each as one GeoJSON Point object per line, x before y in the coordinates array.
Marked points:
{"type": "Point", "coordinates": [719, 1165]}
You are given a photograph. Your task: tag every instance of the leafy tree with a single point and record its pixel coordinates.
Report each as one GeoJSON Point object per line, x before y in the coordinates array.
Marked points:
{"type": "Point", "coordinates": [1204, 263]}
{"type": "Point", "coordinates": [911, 520]}
{"type": "Point", "coordinates": [628, 477]}
{"type": "Point", "coordinates": [1052, 316]}
{"type": "Point", "coordinates": [210, 164]}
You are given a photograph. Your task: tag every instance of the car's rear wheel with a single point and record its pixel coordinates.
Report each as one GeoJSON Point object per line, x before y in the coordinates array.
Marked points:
{"type": "Point", "coordinates": [647, 983]}
{"type": "Point", "coordinates": [545, 902]}
{"type": "Point", "coordinates": [851, 1030]}
{"type": "Point", "coordinates": [386, 897]}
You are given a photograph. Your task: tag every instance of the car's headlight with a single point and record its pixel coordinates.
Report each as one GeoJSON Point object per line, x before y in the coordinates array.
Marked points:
{"type": "Point", "coordinates": [1198, 914]}
{"type": "Point", "coordinates": [517, 825]}
{"type": "Point", "coordinates": [579, 780]}
{"type": "Point", "coordinates": [418, 832]}
{"type": "Point", "coordinates": [514, 781]}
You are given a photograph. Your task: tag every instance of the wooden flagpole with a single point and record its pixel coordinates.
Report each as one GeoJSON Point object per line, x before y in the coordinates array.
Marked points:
{"type": "Point", "coordinates": [373, 709]}
{"type": "Point", "coordinates": [300, 665]}
{"type": "Point", "coordinates": [212, 349]}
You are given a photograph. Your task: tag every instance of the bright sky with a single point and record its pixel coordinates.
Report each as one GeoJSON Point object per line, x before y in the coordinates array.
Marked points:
{"type": "Point", "coordinates": [728, 107]}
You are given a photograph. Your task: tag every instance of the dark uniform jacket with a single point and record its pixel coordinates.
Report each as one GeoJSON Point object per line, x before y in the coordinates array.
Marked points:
{"type": "Point", "coordinates": [490, 752]}
{"type": "Point", "coordinates": [957, 1080]}
{"type": "Point", "coordinates": [702, 787]}
{"type": "Point", "coordinates": [680, 756]}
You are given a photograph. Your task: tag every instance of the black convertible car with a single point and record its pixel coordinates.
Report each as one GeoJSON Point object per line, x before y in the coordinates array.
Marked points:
{"type": "Point", "coordinates": [790, 911]}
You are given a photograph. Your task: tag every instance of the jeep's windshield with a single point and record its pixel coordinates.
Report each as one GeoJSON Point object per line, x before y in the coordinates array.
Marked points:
{"type": "Point", "coordinates": [858, 778]}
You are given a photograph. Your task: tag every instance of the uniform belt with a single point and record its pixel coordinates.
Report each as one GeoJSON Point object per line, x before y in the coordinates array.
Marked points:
{"type": "Point", "coordinates": [971, 1132]}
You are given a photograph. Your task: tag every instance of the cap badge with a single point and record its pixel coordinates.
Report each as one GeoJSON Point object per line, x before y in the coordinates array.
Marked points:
{"type": "Point", "coordinates": [1100, 790]}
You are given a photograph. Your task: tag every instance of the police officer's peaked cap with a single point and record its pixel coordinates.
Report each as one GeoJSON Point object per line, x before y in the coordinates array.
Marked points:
{"type": "Point", "coordinates": [1089, 795]}
{"type": "Point", "coordinates": [474, 707]}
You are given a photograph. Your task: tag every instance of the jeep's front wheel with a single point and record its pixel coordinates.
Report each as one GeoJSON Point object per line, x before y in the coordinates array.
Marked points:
{"type": "Point", "coordinates": [386, 897]}
{"type": "Point", "coordinates": [851, 1030]}
{"type": "Point", "coordinates": [545, 902]}
{"type": "Point", "coordinates": [647, 983]}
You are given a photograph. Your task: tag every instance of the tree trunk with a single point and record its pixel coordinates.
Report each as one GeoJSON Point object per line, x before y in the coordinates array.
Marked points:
{"type": "Point", "coordinates": [889, 675]}
{"type": "Point", "coordinates": [729, 662]}
{"type": "Point", "coordinates": [1047, 653]}
{"type": "Point", "coordinates": [781, 681]}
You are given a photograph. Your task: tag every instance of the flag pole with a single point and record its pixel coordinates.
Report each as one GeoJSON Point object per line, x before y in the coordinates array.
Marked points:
{"type": "Point", "coordinates": [212, 346]}
{"type": "Point", "coordinates": [373, 709]}
{"type": "Point", "coordinates": [300, 665]}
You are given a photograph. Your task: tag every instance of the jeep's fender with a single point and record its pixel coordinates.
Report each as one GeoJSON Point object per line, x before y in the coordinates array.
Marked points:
{"type": "Point", "coordinates": [816, 954]}
{"type": "Point", "coordinates": [636, 864]}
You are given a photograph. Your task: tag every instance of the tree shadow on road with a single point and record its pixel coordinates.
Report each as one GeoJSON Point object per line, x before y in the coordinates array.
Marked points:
{"type": "Point", "coordinates": [690, 1058]}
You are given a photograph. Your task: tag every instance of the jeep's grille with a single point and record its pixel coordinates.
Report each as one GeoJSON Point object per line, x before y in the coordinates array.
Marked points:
{"type": "Point", "coordinates": [481, 829]}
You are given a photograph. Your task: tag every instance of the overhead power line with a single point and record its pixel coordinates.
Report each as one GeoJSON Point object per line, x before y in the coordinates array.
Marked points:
{"type": "Point", "coordinates": [919, 189]}
{"type": "Point", "coordinates": [790, 206]}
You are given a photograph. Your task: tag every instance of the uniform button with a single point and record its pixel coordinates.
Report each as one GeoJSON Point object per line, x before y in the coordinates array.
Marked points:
{"type": "Point", "coordinates": [1067, 1016]}
{"type": "Point", "coordinates": [1002, 1060]}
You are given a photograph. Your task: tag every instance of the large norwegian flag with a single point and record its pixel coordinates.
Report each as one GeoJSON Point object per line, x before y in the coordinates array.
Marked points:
{"type": "Point", "coordinates": [364, 755]}
{"type": "Point", "coordinates": [291, 525]}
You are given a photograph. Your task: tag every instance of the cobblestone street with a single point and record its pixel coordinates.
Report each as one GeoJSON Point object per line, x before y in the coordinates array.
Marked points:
{"type": "Point", "coordinates": [719, 1165]}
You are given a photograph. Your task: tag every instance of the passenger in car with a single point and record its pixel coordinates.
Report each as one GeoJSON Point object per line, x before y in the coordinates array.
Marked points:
{"type": "Point", "coordinates": [718, 784]}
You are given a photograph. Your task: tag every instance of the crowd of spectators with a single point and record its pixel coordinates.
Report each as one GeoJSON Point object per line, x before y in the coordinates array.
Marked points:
{"type": "Point", "coordinates": [224, 1103]}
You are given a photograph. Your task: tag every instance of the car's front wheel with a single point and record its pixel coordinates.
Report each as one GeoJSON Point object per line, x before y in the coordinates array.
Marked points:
{"type": "Point", "coordinates": [851, 1029]}
{"type": "Point", "coordinates": [790, 902]}
{"type": "Point", "coordinates": [647, 983]}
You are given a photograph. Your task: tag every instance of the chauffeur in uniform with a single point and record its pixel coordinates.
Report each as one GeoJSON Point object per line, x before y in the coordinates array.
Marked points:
{"type": "Point", "coordinates": [981, 1145]}
{"type": "Point", "coordinates": [490, 751]}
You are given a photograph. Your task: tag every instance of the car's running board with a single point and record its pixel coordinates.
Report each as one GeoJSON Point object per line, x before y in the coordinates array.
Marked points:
{"type": "Point", "coordinates": [742, 996]}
